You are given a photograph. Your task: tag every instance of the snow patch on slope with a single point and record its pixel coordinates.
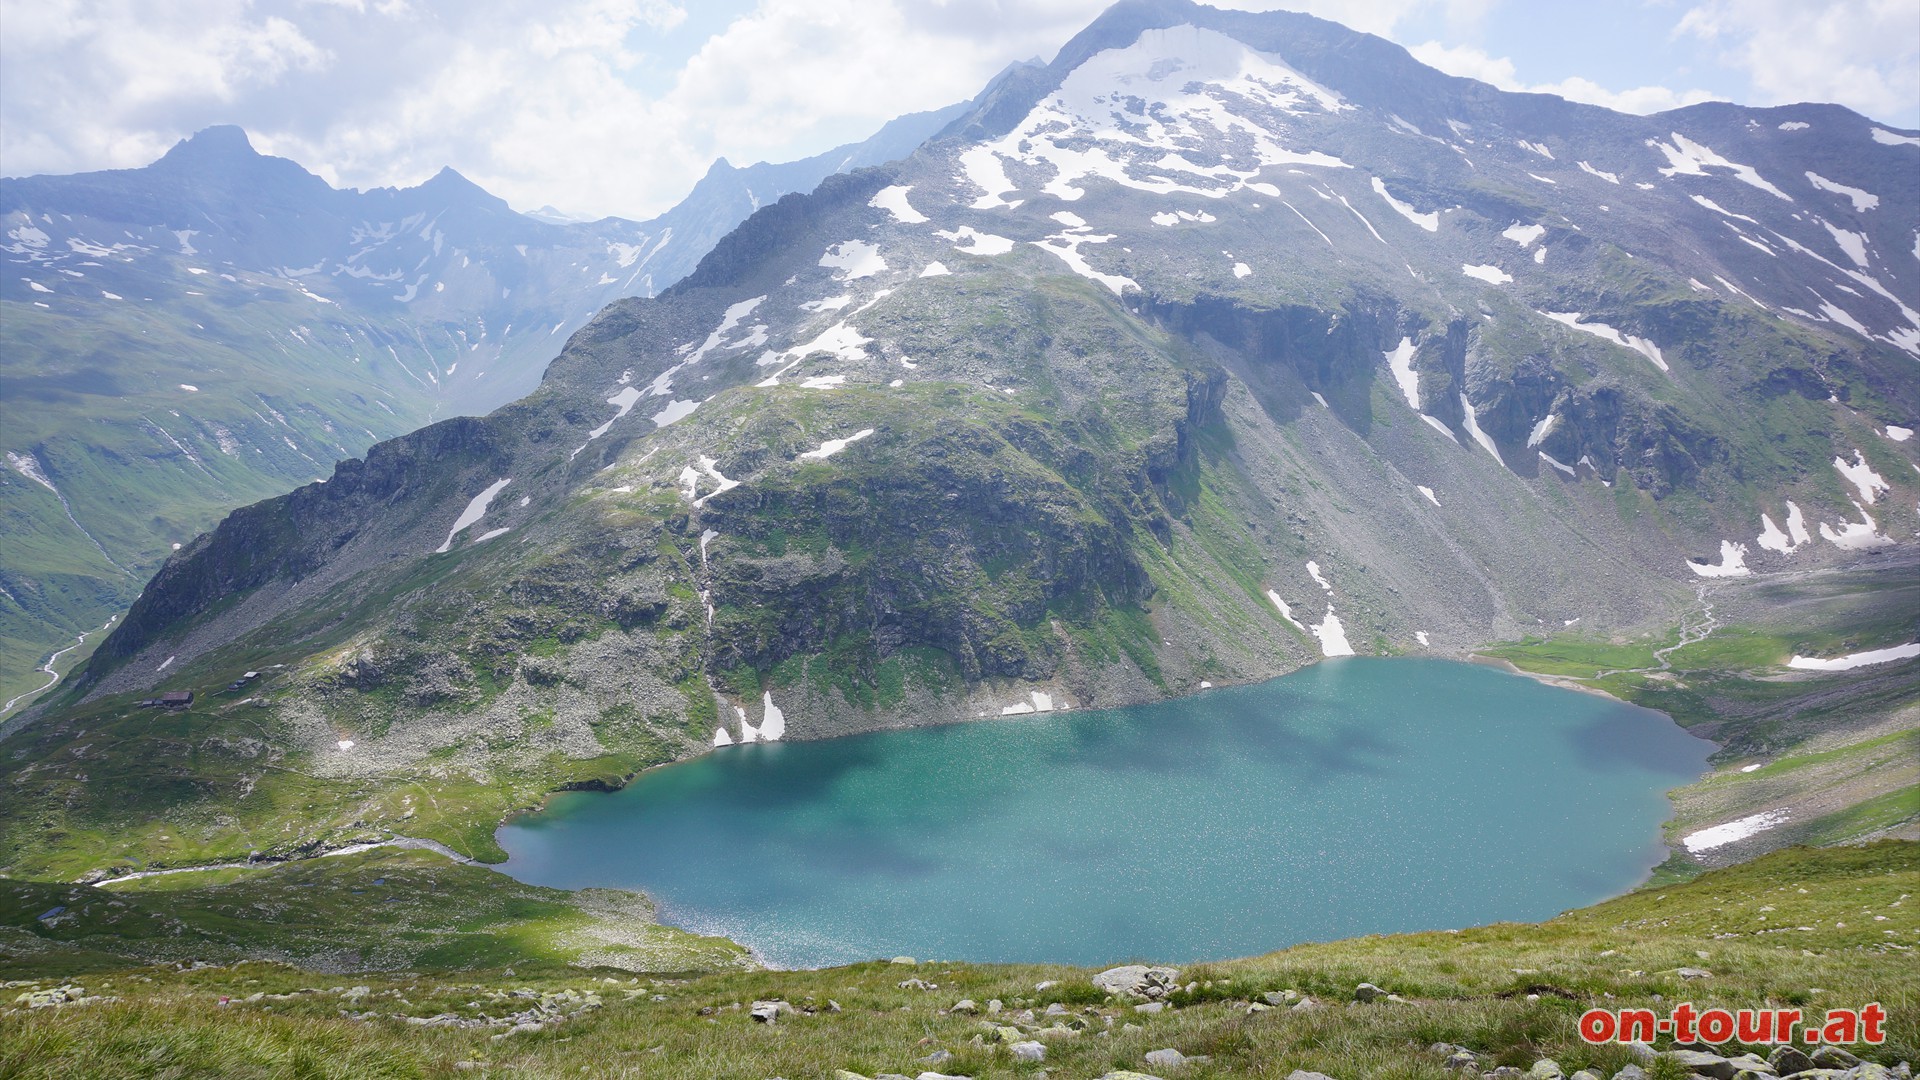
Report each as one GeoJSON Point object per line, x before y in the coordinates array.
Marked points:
{"type": "Point", "coordinates": [475, 510]}
{"type": "Point", "coordinates": [1863, 201]}
{"type": "Point", "coordinates": [853, 259]}
{"type": "Point", "coordinates": [1400, 362]}
{"type": "Point", "coordinates": [1473, 429]}
{"type": "Point", "coordinates": [1429, 222]}
{"type": "Point", "coordinates": [1722, 835]}
{"type": "Point", "coordinates": [833, 446]}
{"type": "Point", "coordinates": [1332, 636]}
{"type": "Point", "coordinates": [1601, 330]}
{"type": "Point", "coordinates": [894, 201]}
{"type": "Point", "coordinates": [969, 241]}
{"type": "Point", "coordinates": [1523, 234]}
{"type": "Point", "coordinates": [1733, 562]}
{"type": "Point", "coordinates": [1688, 158]}
{"type": "Point", "coordinates": [1861, 475]}
{"type": "Point", "coordinates": [1856, 660]}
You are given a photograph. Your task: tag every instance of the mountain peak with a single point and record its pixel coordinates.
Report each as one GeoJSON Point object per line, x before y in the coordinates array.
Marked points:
{"type": "Point", "coordinates": [222, 142]}
{"type": "Point", "coordinates": [450, 186]}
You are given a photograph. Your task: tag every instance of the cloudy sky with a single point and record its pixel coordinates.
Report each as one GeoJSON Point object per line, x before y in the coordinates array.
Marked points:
{"type": "Point", "coordinates": [618, 106]}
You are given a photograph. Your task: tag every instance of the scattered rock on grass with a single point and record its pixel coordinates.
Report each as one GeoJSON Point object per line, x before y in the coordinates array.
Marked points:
{"type": "Point", "coordinates": [1138, 980]}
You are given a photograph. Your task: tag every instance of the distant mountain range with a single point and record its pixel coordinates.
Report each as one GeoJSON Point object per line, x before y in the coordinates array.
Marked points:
{"type": "Point", "coordinates": [219, 326]}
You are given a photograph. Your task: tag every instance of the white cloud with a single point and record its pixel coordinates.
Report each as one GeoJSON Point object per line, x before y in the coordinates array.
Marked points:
{"type": "Point", "coordinates": [1864, 54]}
{"type": "Point", "coordinates": [1499, 71]}
{"type": "Point", "coordinates": [618, 106]}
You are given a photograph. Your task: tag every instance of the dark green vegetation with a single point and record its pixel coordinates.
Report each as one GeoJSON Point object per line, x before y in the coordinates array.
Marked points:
{"type": "Point", "coordinates": [1798, 928]}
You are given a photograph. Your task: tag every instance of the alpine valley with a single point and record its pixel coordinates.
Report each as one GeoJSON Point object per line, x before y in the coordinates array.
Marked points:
{"type": "Point", "coordinates": [219, 327]}
{"type": "Point", "coordinates": [1220, 345]}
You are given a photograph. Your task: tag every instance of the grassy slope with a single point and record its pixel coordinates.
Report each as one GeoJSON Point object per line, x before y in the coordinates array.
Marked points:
{"type": "Point", "coordinates": [1802, 928]}
{"type": "Point", "coordinates": [1842, 750]}
{"type": "Point", "coordinates": [380, 910]}
{"type": "Point", "coordinates": [96, 396]}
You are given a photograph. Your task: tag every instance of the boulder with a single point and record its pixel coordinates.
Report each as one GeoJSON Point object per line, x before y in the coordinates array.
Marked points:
{"type": "Point", "coordinates": [965, 1005]}
{"type": "Point", "coordinates": [1693, 973]}
{"type": "Point", "coordinates": [1150, 1007]}
{"type": "Point", "coordinates": [1280, 997]}
{"type": "Point", "coordinates": [1302, 1074]}
{"type": "Point", "coordinates": [1788, 1059]}
{"type": "Point", "coordinates": [1832, 1057]}
{"type": "Point", "coordinates": [1587, 1074]}
{"type": "Point", "coordinates": [1703, 1063]}
{"type": "Point", "coordinates": [1168, 1058]}
{"type": "Point", "coordinates": [1028, 1050]}
{"type": "Point", "coordinates": [766, 1012]}
{"type": "Point", "coordinates": [1547, 1069]}
{"type": "Point", "coordinates": [1137, 980]}
{"type": "Point", "coordinates": [1368, 992]}
{"type": "Point", "coordinates": [1631, 1072]}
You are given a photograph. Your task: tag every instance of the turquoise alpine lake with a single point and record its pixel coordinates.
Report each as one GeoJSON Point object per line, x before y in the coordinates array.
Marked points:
{"type": "Point", "coordinates": [1356, 796]}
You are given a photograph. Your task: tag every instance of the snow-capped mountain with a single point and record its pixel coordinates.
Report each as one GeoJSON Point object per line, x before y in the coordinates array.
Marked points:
{"type": "Point", "coordinates": [220, 326]}
{"type": "Point", "coordinates": [1223, 343]}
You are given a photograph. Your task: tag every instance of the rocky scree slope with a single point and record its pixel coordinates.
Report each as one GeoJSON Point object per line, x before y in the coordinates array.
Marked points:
{"type": "Point", "coordinates": [1223, 344]}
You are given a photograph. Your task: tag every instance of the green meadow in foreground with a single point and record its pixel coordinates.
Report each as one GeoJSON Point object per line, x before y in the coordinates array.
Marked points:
{"type": "Point", "coordinates": [1803, 928]}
